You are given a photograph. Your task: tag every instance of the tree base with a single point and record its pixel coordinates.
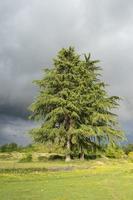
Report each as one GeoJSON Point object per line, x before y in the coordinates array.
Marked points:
{"type": "Point", "coordinates": [68, 159]}
{"type": "Point", "coordinates": [82, 156]}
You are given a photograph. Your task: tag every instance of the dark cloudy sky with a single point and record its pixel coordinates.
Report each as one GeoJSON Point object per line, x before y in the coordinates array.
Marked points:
{"type": "Point", "coordinates": [31, 33]}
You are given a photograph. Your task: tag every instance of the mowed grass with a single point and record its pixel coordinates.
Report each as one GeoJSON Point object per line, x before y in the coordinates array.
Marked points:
{"type": "Point", "coordinates": [92, 180]}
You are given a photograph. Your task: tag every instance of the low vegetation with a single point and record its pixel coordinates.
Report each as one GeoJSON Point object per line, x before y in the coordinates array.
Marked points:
{"type": "Point", "coordinates": [32, 172]}
{"type": "Point", "coordinates": [58, 180]}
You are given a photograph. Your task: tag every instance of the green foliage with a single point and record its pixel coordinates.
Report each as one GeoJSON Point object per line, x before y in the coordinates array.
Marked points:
{"type": "Point", "coordinates": [73, 105]}
{"type": "Point", "coordinates": [130, 156]}
{"type": "Point", "coordinates": [92, 156]}
{"type": "Point", "coordinates": [26, 158]}
{"type": "Point", "coordinates": [114, 152]}
{"type": "Point", "coordinates": [9, 147]}
{"type": "Point", "coordinates": [42, 158]}
{"type": "Point", "coordinates": [28, 149]}
{"type": "Point", "coordinates": [128, 148]}
{"type": "Point", "coordinates": [5, 156]}
{"type": "Point", "coordinates": [53, 156]}
{"type": "Point", "coordinates": [56, 157]}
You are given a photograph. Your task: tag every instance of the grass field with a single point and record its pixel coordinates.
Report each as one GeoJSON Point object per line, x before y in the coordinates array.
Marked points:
{"type": "Point", "coordinates": [90, 180]}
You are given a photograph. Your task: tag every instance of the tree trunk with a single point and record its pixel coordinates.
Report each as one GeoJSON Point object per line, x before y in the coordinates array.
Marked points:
{"type": "Point", "coordinates": [82, 156]}
{"type": "Point", "coordinates": [67, 124]}
{"type": "Point", "coordinates": [68, 156]}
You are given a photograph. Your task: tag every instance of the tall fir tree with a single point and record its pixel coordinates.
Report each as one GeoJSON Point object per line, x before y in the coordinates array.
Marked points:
{"type": "Point", "coordinates": [73, 105]}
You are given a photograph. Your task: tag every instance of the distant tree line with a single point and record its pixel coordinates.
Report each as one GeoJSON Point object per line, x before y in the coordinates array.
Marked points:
{"type": "Point", "coordinates": [111, 151]}
{"type": "Point", "coordinates": [11, 147]}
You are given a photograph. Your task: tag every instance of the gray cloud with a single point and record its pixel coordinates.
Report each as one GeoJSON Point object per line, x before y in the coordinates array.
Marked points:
{"type": "Point", "coordinates": [33, 31]}
{"type": "Point", "coordinates": [15, 130]}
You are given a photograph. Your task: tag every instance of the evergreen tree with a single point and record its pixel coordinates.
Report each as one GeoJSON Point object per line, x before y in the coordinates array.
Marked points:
{"type": "Point", "coordinates": [98, 125]}
{"type": "Point", "coordinates": [73, 105]}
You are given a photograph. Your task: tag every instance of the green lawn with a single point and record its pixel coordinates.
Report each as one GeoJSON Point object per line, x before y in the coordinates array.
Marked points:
{"type": "Point", "coordinates": [100, 181]}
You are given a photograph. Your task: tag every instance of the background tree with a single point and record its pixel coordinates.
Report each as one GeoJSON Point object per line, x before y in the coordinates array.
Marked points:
{"type": "Point", "coordinates": [73, 105]}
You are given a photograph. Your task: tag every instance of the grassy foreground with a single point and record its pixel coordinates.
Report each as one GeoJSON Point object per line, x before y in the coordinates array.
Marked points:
{"type": "Point", "coordinates": [92, 180]}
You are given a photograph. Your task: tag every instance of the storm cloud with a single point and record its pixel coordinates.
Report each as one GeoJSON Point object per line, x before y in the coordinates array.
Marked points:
{"type": "Point", "coordinates": [31, 33]}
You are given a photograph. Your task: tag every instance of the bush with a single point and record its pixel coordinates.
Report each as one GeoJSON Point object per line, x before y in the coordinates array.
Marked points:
{"type": "Point", "coordinates": [42, 158]}
{"type": "Point", "coordinates": [5, 156]}
{"type": "Point", "coordinates": [92, 156]}
{"type": "Point", "coordinates": [128, 148]}
{"type": "Point", "coordinates": [114, 152]}
{"type": "Point", "coordinates": [51, 157]}
{"type": "Point", "coordinates": [27, 158]}
{"type": "Point", "coordinates": [130, 156]}
{"type": "Point", "coordinates": [56, 157]}
{"type": "Point", "coordinates": [28, 149]}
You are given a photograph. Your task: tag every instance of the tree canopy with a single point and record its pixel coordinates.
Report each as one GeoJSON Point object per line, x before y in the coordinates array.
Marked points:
{"type": "Point", "coordinates": [73, 105]}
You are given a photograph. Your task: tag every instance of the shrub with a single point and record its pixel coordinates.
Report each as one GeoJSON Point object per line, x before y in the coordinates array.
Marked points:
{"type": "Point", "coordinates": [5, 156]}
{"type": "Point", "coordinates": [92, 156]}
{"type": "Point", "coordinates": [114, 152]}
{"type": "Point", "coordinates": [130, 156]}
{"type": "Point", "coordinates": [56, 157]}
{"type": "Point", "coordinates": [51, 157]}
{"type": "Point", "coordinates": [28, 149]}
{"type": "Point", "coordinates": [27, 158]}
{"type": "Point", "coordinates": [128, 148]}
{"type": "Point", "coordinates": [42, 158]}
